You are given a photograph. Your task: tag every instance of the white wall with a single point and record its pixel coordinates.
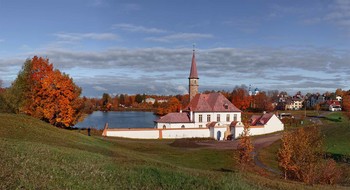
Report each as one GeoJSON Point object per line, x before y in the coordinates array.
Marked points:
{"type": "Point", "coordinates": [134, 133]}
{"type": "Point", "coordinates": [175, 125]}
{"type": "Point", "coordinates": [273, 125]}
{"type": "Point", "coordinates": [185, 133]}
{"type": "Point", "coordinates": [238, 131]}
{"type": "Point", "coordinates": [218, 133]}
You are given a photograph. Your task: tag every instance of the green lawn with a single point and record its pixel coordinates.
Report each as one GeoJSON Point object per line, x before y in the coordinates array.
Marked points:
{"type": "Point", "coordinates": [35, 155]}
{"type": "Point", "coordinates": [337, 133]}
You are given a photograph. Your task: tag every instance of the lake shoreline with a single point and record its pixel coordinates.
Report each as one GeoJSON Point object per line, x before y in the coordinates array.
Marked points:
{"type": "Point", "coordinates": [118, 119]}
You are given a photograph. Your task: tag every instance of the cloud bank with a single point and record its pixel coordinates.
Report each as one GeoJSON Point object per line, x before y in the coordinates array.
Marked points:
{"type": "Point", "coordinates": [165, 71]}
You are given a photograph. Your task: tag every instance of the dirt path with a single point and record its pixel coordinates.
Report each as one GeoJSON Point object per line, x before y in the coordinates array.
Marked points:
{"type": "Point", "coordinates": [258, 142]}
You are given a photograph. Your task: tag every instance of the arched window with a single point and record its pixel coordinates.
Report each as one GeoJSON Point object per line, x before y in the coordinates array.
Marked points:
{"type": "Point", "coordinates": [183, 126]}
{"type": "Point", "coordinates": [164, 127]}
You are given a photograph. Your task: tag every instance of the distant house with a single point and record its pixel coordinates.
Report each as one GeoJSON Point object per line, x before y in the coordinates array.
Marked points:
{"type": "Point", "coordinates": [294, 104]}
{"type": "Point", "coordinates": [266, 123]}
{"type": "Point", "coordinates": [334, 105]}
{"type": "Point", "coordinates": [162, 100]}
{"type": "Point", "coordinates": [150, 100]}
{"type": "Point", "coordinates": [339, 98]}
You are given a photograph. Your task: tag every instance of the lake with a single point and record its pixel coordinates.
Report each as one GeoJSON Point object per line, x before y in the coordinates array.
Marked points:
{"type": "Point", "coordinates": [129, 119]}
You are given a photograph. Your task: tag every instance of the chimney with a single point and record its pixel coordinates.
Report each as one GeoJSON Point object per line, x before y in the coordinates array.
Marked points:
{"type": "Point", "coordinates": [191, 116]}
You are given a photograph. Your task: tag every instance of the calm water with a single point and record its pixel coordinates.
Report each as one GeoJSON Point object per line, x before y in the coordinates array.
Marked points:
{"type": "Point", "coordinates": [132, 119]}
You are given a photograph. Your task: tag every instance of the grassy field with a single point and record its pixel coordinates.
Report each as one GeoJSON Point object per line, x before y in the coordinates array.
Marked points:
{"type": "Point", "coordinates": [35, 155]}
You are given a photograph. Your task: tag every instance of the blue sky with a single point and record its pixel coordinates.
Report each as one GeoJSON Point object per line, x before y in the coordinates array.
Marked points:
{"type": "Point", "coordinates": [146, 46]}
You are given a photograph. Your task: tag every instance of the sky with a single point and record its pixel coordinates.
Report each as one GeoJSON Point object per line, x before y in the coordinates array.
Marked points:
{"type": "Point", "coordinates": [114, 46]}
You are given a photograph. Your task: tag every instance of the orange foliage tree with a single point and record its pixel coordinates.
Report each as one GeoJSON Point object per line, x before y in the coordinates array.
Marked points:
{"type": "Point", "coordinates": [52, 96]}
{"type": "Point", "coordinates": [245, 148]}
{"type": "Point", "coordinates": [346, 104]}
{"type": "Point", "coordinates": [262, 102]}
{"type": "Point", "coordinates": [240, 98]}
{"type": "Point", "coordinates": [172, 105]}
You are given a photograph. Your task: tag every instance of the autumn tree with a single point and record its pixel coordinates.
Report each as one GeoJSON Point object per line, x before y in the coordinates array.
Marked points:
{"type": "Point", "coordinates": [106, 102]}
{"type": "Point", "coordinates": [339, 92]}
{"type": "Point", "coordinates": [346, 104]}
{"type": "Point", "coordinates": [4, 107]}
{"type": "Point", "coordinates": [48, 94]}
{"type": "Point", "coordinates": [139, 98]}
{"type": "Point", "coordinates": [300, 157]}
{"type": "Point", "coordinates": [240, 98]}
{"type": "Point", "coordinates": [262, 102]}
{"type": "Point", "coordinates": [285, 154]}
{"type": "Point", "coordinates": [16, 95]}
{"type": "Point", "coordinates": [172, 105]}
{"type": "Point", "coordinates": [245, 147]}
{"type": "Point", "coordinates": [115, 102]}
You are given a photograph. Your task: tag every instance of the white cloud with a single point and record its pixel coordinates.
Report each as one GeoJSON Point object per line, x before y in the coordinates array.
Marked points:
{"type": "Point", "coordinates": [142, 29]}
{"type": "Point", "coordinates": [337, 13]}
{"type": "Point", "coordinates": [81, 36]}
{"type": "Point", "coordinates": [165, 71]}
{"type": "Point", "coordinates": [180, 37]}
{"type": "Point", "coordinates": [99, 88]}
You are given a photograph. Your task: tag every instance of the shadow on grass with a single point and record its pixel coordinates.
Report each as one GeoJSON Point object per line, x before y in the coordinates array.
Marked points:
{"type": "Point", "coordinates": [225, 170]}
{"type": "Point", "coordinates": [339, 157]}
{"type": "Point", "coordinates": [339, 119]}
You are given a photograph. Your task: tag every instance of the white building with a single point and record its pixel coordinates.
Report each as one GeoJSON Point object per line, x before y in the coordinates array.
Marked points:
{"type": "Point", "coordinates": [207, 116]}
{"type": "Point", "coordinates": [211, 111]}
{"type": "Point", "coordinates": [263, 124]}
{"type": "Point", "coordinates": [150, 100]}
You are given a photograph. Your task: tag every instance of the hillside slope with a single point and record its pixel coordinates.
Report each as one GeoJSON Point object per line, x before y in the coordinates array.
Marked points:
{"type": "Point", "coordinates": [35, 155]}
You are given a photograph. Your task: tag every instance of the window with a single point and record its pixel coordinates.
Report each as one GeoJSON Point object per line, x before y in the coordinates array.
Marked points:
{"type": "Point", "coordinates": [234, 117]}
{"type": "Point", "coordinates": [164, 127]}
{"type": "Point", "coordinates": [200, 118]}
{"type": "Point", "coordinates": [183, 126]}
{"type": "Point", "coordinates": [208, 118]}
{"type": "Point", "coordinates": [200, 126]}
{"type": "Point", "coordinates": [226, 106]}
{"type": "Point", "coordinates": [228, 117]}
{"type": "Point", "coordinates": [218, 117]}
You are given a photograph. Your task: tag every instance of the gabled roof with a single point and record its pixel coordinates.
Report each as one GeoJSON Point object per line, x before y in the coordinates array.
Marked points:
{"type": "Point", "coordinates": [213, 102]}
{"type": "Point", "coordinates": [260, 120]}
{"type": "Point", "coordinates": [333, 102]}
{"type": "Point", "coordinates": [174, 118]}
{"type": "Point", "coordinates": [193, 73]}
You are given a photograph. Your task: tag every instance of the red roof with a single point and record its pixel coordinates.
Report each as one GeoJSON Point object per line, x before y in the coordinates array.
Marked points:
{"type": "Point", "coordinates": [213, 102]}
{"type": "Point", "coordinates": [174, 118]}
{"type": "Point", "coordinates": [260, 120]}
{"type": "Point", "coordinates": [193, 73]}
{"type": "Point", "coordinates": [333, 102]}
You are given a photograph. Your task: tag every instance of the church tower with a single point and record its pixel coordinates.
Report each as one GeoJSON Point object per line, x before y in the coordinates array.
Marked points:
{"type": "Point", "coordinates": [193, 78]}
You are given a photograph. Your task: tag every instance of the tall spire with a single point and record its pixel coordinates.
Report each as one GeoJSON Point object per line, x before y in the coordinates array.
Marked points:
{"type": "Point", "coordinates": [193, 72]}
{"type": "Point", "coordinates": [193, 79]}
